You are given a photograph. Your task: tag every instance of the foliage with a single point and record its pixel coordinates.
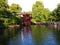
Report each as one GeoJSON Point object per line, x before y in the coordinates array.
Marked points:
{"type": "Point", "coordinates": [37, 11]}
{"type": "Point", "coordinates": [46, 14]}
{"type": "Point", "coordinates": [6, 13]}
{"type": "Point", "coordinates": [15, 8]}
{"type": "Point", "coordinates": [56, 13]}
{"type": "Point", "coordinates": [40, 13]}
{"type": "Point", "coordinates": [3, 7]}
{"type": "Point", "coordinates": [3, 4]}
{"type": "Point", "coordinates": [53, 16]}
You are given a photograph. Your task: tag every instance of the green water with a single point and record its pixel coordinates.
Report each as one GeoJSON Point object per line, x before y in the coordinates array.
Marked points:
{"type": "Point", "coordinates": [34, 35]}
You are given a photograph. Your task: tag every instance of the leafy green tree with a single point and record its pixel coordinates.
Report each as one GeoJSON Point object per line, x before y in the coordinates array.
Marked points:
{"type": "Point", "coordinates": [3, 7]}
{"type": "Point", "coordinates": [6, 13]}
{"type": "Point", "coordinates": [53, 15]}
{"type": "Point", "coordinates": [56, 13]}
{"type": "Point", "coordinates": [39, 13]}
{"type": "Point", "coordinates": [3, 4]}
{"type": "Point", "coordinates": [46, 14]}
{"type": "Point", "coordinates": [15, 8]}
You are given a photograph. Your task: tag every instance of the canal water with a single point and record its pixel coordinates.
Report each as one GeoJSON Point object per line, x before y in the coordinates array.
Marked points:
{"type": "Point", "coordinates": [33, 35]}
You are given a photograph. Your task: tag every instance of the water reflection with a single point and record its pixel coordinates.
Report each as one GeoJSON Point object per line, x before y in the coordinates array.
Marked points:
{"type": "Point", "coordinates": [3, 37]}
{"type": "Point", "coordinates": [57, 33]}
{"type": "Point", "coordinates": [34, 35]}
{"type": "Point", "coordinates": [26, 36]}
{"type": "Point", "coordinates": [49, 38]}
{"type": "Point", "coordinates": [43, 36]}
{"type": "Point", "coordinates": [23, 38]}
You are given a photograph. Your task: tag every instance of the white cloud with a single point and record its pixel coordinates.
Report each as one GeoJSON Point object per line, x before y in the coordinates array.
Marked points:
{"type": "Point", "coordinates": [27, 4]}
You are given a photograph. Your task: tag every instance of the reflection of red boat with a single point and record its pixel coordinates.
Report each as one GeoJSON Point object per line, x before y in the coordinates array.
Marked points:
{"type": "Point", "coordinates": [26, 18]}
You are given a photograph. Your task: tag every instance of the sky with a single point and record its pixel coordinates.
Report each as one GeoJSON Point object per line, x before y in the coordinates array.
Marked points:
{"type": "Point", "coordinates": [27, 4]}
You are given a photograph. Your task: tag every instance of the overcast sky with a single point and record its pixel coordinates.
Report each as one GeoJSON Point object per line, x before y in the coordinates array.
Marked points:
{"type": "Point", "coordinates": [27, 4]}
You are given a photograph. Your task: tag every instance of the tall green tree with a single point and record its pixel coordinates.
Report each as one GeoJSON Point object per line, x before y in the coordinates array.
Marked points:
{"type": "Point", "coordinates": [39, 13]}
{"type": "Point", "coordinates": [3, 7]}
{"type": "Point", "coordinates": [3, 4]}
{"type": "Point", "coordinates": [46, 14]}
{"type": "Point", "coordinates": [56, 13]}
{"type": "Point", "coordinates": [15, 8]}
{"type": "Point", "coordinates": [53, 15]}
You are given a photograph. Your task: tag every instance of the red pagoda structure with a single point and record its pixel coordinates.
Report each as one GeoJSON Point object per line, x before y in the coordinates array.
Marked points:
{"type": "Point", "coordinates": [26, 19]}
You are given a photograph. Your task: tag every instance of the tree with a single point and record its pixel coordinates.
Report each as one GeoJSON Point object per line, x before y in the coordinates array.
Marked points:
{"type": "Point", "coordinates": [3, 4]}
{"type": "Point", "coordinates": [53, 15]}
{"type": "Point", "coordinates": [3, 7]}
{"type": "Point", "coordinates": [37, 11]}
{"type": "Point", "coordinates": [56, 13]}
{"type": "Point", "coordinates": [15, 8]}
{"type": "Point", "coordinates": [40, 13]}
{"type": "Point", "coordinates": [46, 14]}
